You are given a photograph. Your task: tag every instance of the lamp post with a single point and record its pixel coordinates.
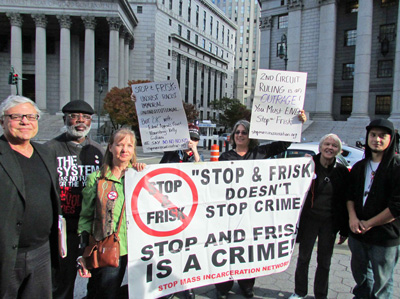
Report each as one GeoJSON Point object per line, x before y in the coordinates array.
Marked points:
{"type": "Point", "coordinates": [102, 81]}
{"type": "Point", "coordinates": [283, 50]}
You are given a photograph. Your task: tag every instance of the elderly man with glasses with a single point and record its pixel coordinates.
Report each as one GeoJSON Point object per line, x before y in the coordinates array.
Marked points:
{"type": "Point", "coordinates": [29, 204]}
{"type": "Point", "coordinates": [77, 157]}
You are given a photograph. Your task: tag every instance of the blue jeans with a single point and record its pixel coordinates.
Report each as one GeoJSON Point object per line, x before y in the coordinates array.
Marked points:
{"type": "Point", "coordinates": [106, 282]}
{"type": "Point", "coordinates": [372, 267]}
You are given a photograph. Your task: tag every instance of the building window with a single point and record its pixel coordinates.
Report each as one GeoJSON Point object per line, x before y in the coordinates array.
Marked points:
{"type": "Point", "coordinates": [204, 21]}
{"type": "Point", "coordinates": [189, 10]}
{"type": "Point", "coordinates": [139, 9]}
{"type": "Point", "coordinates": [180, 7]}
{"type": "Point", "coordinates": [387, 2]}
{"type": "Point", "coordinates": [351, 6]}
{"type": "Point", "coordinates": [178, 68]}
{"type": "Point", "coordinates": [170, 22]}
{"type": "Point", "coordinates": [283, 21]}
{"type": "Point", "coordinates": [196, 39]}
{"type": "Point", "coordinates": [169, 52]}
{"type": "Point", "coordinates": [346, 105]}
{"type": "Point", "coordinates": [211, 25]}
{"type": "Point", "coordinates": [348, 71]}
{"type": "Point", "coordinates": [188, 35]}
{"type": "Point", "coordinates": [227, 40]}
{"type": "Point", "coordinates": [385, 68]}
{"type": "Point", "coordinates": [170, 4]}
{"type": "Point", "coordinates": [197, 15]}
{"type": "Point", "coordinates": [387, 31]}
{"type": "Point", "coordinates": [204, 43]}
{"type": "Point", "coordinates": [180, 30]}
{"type": "Point", "coordinates": [350, 37]}
{"type": "Point", "coordinates": [382, 104]}
{"type": "Point", "coordinates": [169, 66]}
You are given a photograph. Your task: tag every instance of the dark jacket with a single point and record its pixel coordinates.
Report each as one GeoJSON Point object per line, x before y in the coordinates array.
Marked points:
{"type": "Point", "coordinates": [384, 193]}
{"type": "Point", "coordinates": [259, 152]}
{"type": "Point", "coordinates": [12, 198]}
{"type": "Point", "coordinates": [339, 176]}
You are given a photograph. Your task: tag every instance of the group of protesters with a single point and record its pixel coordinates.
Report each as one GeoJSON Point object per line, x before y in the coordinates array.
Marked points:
{"type": "Point", "coordinates": [73, 176]}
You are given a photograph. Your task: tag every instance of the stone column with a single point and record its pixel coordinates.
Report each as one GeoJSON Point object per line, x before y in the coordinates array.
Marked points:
{"type": "Point", "coordinates": [362, 65]}
{"type": "Point", "coordinates": [174, 65]}
{"type": "Point", "coordinates": [127, 59]}
{"type": "Point", "coordinates": [206, 87]}
{"type": "Point", "coordinates": [265, 41]}
{"type": "Point", "coordinates": [198, 89]}
{"type": "Point", "coordinates": [113, 59]}
{"type": "Point", "coordinates": [395, 113]}
{"type": "Point", "coordinates": [88, 93]}
{"type": "Point", "coordinates": [121, 58]}
{"type": "Point", "coordinates": [65, 59]}
{"type": "Point", "coordinates": [326, 60]}
{"type": "Point", "coordinates": [212, 90]}
{"type": "Point", "coordinates": [218, 91]}
{"type": "Point", "coordinates": [16, 48]}
{"type": "Point", "coordinates": [223, 78]}
{"type": "Point", "coordinates": [183, 77]}
{"type": "Point", "coordinates": [294, 34]}
{"type": "Point", "coordinates": [40, 61]}
{"type": "Point", "coordinates": [191, 82]}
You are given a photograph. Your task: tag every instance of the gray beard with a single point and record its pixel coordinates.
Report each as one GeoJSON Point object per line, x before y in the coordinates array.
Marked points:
{"type": "Point", "coordinates": [77, 134]}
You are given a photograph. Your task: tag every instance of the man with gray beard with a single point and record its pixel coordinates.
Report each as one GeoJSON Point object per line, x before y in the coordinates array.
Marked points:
{"type": "Point", "coordinates": [77, 157]}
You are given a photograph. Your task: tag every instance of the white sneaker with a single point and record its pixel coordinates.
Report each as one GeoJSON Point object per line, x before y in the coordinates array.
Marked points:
{"type": "Point", "coordinates": [295, 296]}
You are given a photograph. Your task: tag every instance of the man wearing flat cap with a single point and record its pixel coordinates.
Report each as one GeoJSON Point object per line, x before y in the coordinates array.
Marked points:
{"type": "Point", "coordinates": [374, 213]}
{"type": "Point", "coordinates": [77, 157]}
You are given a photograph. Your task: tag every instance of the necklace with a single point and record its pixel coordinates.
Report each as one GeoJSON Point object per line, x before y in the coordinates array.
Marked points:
{"type": "Point", "coordinates": [373, 172]}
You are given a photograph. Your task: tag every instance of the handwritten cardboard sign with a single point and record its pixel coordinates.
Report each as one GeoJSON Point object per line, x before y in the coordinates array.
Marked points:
{"type": "Point", "coordinates": [278, 99]}
{"type": "Point", "coordinates": [162, 119]}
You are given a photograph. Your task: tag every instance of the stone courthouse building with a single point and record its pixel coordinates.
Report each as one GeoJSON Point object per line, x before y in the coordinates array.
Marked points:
{"type": "Point", "coordinates": [64, 49]}
{"type": "Point", "coordinates": [60, 48]}
{"type": "Point", "coordinates": [349, 48]}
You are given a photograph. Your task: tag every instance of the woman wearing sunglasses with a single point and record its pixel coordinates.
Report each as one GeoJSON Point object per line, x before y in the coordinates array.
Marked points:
{"type": "Point", "coordinates": [244, 148]}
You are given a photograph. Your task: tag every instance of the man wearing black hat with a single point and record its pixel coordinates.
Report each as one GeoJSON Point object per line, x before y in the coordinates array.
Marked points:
{"type": "Point", "coordinates": [77, 157]}
{"type": "Point", "coordinates": [374, 209]}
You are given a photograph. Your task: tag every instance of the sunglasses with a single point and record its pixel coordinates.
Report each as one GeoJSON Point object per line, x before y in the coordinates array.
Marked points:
{"type": "Point", "coordinates": [244, 133]}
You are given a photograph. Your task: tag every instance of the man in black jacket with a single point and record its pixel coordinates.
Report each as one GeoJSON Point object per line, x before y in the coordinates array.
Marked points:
{"type": "Point", "coordinates": [77, 157]}
{"type": "Point", "coordinates": [374, 209]}
{"type": "Point", "coordinates": [29, 204]}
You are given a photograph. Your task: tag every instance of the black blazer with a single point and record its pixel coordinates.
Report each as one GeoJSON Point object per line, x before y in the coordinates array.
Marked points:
{"type": "Point", "coordinates": [12, 204]}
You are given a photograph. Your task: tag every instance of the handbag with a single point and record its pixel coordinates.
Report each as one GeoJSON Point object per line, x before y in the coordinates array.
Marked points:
{"type": "Point", "coordinates": [103, 253]}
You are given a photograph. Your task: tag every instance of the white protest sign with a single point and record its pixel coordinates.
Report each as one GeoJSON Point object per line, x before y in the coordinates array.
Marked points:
{"type": "Point", "coordinates": [162, 119]}
{"type": "Point", "coordinates": [278, 99]}
{"type": "Point", "coordinates": [195, 224]}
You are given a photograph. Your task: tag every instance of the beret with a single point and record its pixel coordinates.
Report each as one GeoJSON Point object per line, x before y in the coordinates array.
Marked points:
{"type": "Point", "coordinates": [78, 106]}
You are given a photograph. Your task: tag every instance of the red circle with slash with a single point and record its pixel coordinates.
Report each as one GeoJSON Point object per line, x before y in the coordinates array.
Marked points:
{"type": "Point", "coordinates": [144, 184]}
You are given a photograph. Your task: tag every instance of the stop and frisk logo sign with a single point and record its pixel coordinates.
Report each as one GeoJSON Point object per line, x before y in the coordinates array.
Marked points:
{"type": "Point", "coordinates": [170, 212]}
{"type": "Point", "coordinates": [195, 224]}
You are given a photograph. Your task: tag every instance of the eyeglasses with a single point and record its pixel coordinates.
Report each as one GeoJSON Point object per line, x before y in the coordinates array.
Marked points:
{"type": "Point", "coordinates": [78, 115]}
{"type": "Point", "coordinates": [244, 133]}
{"type": "Point", "coordinates": [19, 117]}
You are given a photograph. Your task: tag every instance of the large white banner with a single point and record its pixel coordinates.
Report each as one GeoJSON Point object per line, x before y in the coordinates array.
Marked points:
{"type": "Point", "coordinates": [194, 224]}
{"type": "Point", "coordinates": [278, 99]}
{"type": "Point", "coordinates": [162, 119]}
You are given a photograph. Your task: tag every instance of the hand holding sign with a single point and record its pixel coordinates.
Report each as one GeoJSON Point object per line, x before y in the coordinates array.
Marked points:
{"type": "Point", "coordinates": [278, 101]}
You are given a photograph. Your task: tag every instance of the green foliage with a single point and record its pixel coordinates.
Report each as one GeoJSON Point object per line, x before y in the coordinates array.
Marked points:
{"type": "Point", "coordinates": [231, 111]}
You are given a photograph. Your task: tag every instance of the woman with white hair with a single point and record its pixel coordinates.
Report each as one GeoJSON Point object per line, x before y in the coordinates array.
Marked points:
{"type": "Point", "coordinates": [324, 215]}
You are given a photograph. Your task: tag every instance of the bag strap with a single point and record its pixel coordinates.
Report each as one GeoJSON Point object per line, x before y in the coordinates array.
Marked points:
{"type": "Point", "coordinates": [120, 217]}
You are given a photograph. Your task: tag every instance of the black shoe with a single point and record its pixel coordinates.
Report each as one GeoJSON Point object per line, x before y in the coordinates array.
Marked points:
{"type": "Point", "coordinates": [189, 294]}
{"type": "Point", "coordinates": [248, 292]}
{"type": "Point", "coordinates": [221, 295]}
